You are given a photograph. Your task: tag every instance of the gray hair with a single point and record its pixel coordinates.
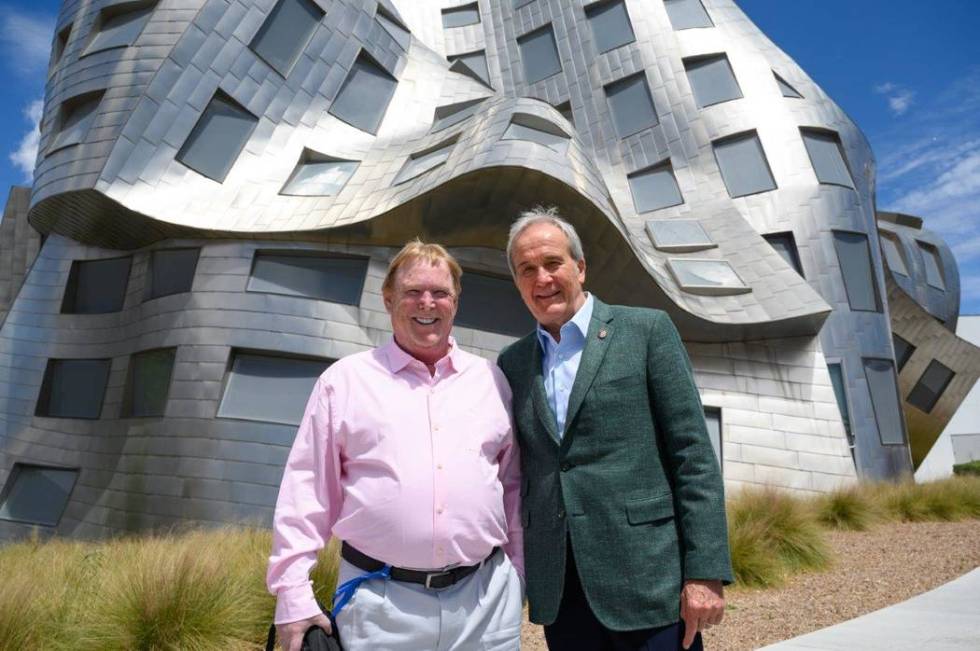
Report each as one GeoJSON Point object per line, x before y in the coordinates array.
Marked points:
{"type": "Point", "coordinates": [543, 215]}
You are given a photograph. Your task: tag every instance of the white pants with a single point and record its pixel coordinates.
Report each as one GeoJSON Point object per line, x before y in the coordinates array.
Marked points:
{"type": "Point", "coordinates": [480, 613]}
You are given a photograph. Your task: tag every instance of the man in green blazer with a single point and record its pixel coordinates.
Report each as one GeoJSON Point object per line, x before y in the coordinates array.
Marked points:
{"type": "Point", "coordinates": [625, 539]}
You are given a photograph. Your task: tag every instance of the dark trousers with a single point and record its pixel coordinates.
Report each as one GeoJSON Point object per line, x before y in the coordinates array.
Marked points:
{"type": "Point", "coordinates": [577, 629]}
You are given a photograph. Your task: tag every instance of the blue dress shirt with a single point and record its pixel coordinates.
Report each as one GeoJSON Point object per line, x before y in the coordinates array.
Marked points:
{"type": "Point", "coordinates": [561, 359]}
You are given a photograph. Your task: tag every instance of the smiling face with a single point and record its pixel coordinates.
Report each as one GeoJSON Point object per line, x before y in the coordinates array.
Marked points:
{"type": "Point", "coordinates": [548, 278]}
{"type": "Point", "coordinates": [422, 305]}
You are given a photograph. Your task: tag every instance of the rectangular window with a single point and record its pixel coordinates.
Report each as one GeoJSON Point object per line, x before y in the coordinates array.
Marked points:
{"type": "Point", "coordinates": [421, 162]}
{"type": "Point", "coordinates": [610, 24]}
{"type": "Point", "coordinates": [524, 126]}
{"type": "Point", "coordinates": [269, 388]}
{"type": "Point", "coordinates": [60, 43]}
{"type": "Point", "coordinates": [394, 28]}
{"type": "Point", "coordinates": [447, 116]}
{"type": "Point", "coordinates": [854, 257]}
{"type": "Point", "coordinates": [317, 175]}
{"type": "Point", "coordinates": [894, 253]}
{"type": "Point", "coordinates": [171, 272]}
{"type": "Point", "coordinates": [880, 374]}
{"type": "Point", "coordinates": [840, 393]}
{"type": "Point", "coordinates": [827, 157]}
{"type": "Point", "coordinates": [365, 94]}
{"type": "Point", "coordinates": [743, 165]}
{"type": "Point", "coordinates": [654, 188]}
{"type": "Point", "coordinates": [148, 384]}
{"type": "Point", "coordinates": [903, 351]}
{"type": "Point", "coordinates": [37, 494]}
{"type": "Point", "coordinates": [785, 245]}
{"type": "Point", "coordinates": [332, 277]}
{"type": "Point", "coordinates": [933, 267]}
{"type": "Point", "coordinates": [461, 16]}
{"type": "Point", "coordinates": [707, 277]}
{"type": "Point", "coordinates": [687, 14]}
{"type": "Point", "coordinates": [218, 138]}
{"type": "Point", "coordinates": [492, 304]}
{"type": "Point", "coordinates": [286, 32]}
{"type": "Point", "coordinates": [712, 80]}
{"type": "Point", "coordinates": [96, 286]}
{"type": "Point", "coordinates": [76, 117]}
{"type": "Point", "coordinates": [631, 105]}
{"type": "Point", "coordinates": [73, 388]}
{"type": "Point", "coordinates": [473, 65]}
{"type": "Point", "coordinates": [678, 235]}
{"type": "Point", "coordinates": [565, 108]}
{"type": "Point", "coordinates": [118, 26]}
{"type": "Point", "coordinates": [539, 54]}
{"type": "Point", "coordinates": [930, 387]}
{"type": "Point", "coordinates": [712, 418]}
{"type": "Point", "coordinates": [786, 89]}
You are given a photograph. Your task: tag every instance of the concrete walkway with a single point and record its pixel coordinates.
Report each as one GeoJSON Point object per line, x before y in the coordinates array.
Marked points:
{"type": "Point", "coordinates": [947, 618]}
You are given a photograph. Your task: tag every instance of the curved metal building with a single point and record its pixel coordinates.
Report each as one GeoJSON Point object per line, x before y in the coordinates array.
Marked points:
{"type": "Point", "coordinates": [221, 183]}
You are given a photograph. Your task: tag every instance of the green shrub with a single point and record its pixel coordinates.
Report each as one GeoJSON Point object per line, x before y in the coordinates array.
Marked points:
{"type": "Point", "coordinates": [970, 468]}
{"type": "Point", "coordinates": [754, 561]}
{"type": "Point", "coordinates": [846, 509]}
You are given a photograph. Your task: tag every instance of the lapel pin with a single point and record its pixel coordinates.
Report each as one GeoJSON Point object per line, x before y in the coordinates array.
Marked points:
{"type": "Point", "coordinates": [602, 334]}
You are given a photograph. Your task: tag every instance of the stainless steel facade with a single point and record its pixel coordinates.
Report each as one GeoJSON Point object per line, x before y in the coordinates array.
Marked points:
{"type": "Point", "coordinates": [760, 334]}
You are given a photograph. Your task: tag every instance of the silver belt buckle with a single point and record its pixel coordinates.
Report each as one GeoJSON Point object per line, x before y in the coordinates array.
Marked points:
{"type": "Point", "coordinates": [429, 576]}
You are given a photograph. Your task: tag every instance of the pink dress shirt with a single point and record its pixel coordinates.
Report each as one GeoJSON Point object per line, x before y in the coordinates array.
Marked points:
{"type": "Point", "coordinates": [415, 470]}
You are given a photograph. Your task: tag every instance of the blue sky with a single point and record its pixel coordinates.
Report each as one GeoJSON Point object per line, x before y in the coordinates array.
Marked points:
{"type": "Point", "coordinates": [907, 71]}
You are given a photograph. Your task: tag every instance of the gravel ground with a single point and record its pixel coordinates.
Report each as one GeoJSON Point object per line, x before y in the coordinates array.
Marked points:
{"type": "Point", "coordinates": [873, 569]}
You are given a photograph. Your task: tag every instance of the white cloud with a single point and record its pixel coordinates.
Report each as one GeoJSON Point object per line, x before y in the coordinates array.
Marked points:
{"type": "Point", "coordinates": [25, 155]}
{"type": "Point", "coordinates": [900, 99]}
{"type": "Point", "coordinates": [25, 40]}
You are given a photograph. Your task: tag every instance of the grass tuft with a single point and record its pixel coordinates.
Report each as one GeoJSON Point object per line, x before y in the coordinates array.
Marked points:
{"type": "Point", "coordinates": [846, 509]}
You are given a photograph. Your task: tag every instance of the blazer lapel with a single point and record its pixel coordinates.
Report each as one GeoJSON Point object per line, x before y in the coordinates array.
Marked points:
{"type": "Point", "coordinates": [596, 344]}
{"type": "Point", "coordinates": [539, 396]}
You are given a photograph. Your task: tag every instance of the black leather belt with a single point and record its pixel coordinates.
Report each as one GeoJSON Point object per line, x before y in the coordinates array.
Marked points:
{"type": "Point", "coordinates": [432, 580]}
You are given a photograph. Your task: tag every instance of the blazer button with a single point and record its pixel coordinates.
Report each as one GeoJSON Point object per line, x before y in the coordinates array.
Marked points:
{"type": "Point", "coordinates": [565, 467]}
{"type": "Point", "coordinates": [561, 513]}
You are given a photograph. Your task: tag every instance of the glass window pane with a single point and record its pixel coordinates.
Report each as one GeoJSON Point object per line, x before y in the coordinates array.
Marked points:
{"type": "Point", "coordinates": [610, 25]}
{"type": "Point", "coordinates": [785, 245]}
{"type": "Point", "coordinates": [37, 494]}
{"type": "Point", "coordinates": [401, 35]}
{"type": "Point", "coordinates": [119, 30]}
{"type": "Point", "coordinates": [320, 178]}
{"type": "Point", "coordinates": [930, 387]}
{"type": "Point", "coordinates": [421, 162]}
{"type": "Point", "coordinates": [840, 392]}
{"type": "Point", "coordinates": [711, 276]}
{"type": "Point", "coordinates": [654, 188]}
{"type": "Point", "coordinates": [678, 235]}
{"type": "Point", "coordinates": [743, 165]}
{"type": "Point", "coordinates": [73, 388]}
{"type": "Point", "coordinates": [535, 129]}
{"type": "Point", "coordinates": [473, 64]}
{"type": "Point", "coordinates": [334, 278]}
{"type": "Point", "coordinates": [934, 270]}
{"type": "Point", "coordinates": [364, 96]}
{"type": "Point", "coordinates": [855, 266]}
{"type": "Point", "coordinates": [218, 138]}
{"type": "Point", "coordinates": [827, 157]}
{"type": "Point", "coordinates": [520, 3]}
{"type": "Point", "coordinates": [492, 304]}
{"type": "Point", "coordinates": [172, 271]}
{"type": "Point", "coordinates": [903, 351]}
{"type": "Point", "coordinates": [268, 388]}
{"type": "Point", "coordinates": [539, 55]}
{"type": "Point", "coordinates": [786, 89]}
{"type": "Point", "coordinates": [96, 286]}
{"type": "Point", "coordinates": [565, 108]}
{"type": "Point", "coordinates": [685, 14]}
{"type": "Point", "coordinates": [447, 116]}
{"type": "Point", "coordinates": [712, 80]}
{"type": "Point", "coordinates": [712, 418]}
{"type": "Point", "coordinates": [631, 105]}
{"type": "Point", "coordinates": [884, 400]}
{"type": "Point", "coordinates": [894, 254]}
{"type": "Point", "coordinates": [461, 16]}
{"type": "Point", "coordinates": [149, 383]}
{"type": "Point", "coordinates": [286, 32]}
{"type": "Point", "coordinates": [78, 114]}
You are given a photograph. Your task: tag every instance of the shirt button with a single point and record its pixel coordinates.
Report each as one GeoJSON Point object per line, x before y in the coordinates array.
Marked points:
{"type": "Point", "coordinates": [439, 510]}
{"type": "Point", "coordinates": [439, 467]}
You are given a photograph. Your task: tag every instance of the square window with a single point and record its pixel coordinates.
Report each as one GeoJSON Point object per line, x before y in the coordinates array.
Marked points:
{"type": "Point", "coordinates": [286, 32]}
{"type": "Point", "coordinates": [73, 388]}
{"type": "Point", "coordinates": [530, 127]}
{"type": "Point", "coordinates": [827, 157]}
{"type": "Point", "coordinates": [394, 28]}
{"type": "Point", "coordinates": [743, 165]}
{"type": "Point", "coordinates": [903, 351]}
{"type": "Point", "coordinates": [326, 277]}
{"type": "Point", "coordinates": [565, 108]}
{"type": "Point", "coordinates": [148, 384]}
{"type": "Point", "coordinates": [447, 116]}
{"type": "Point", "coordinates": [654, 188]}
{"type": "Point", "coordinates": [712, 419]}
{"type": "Point", "coordinates": [118, 26]}
{"type": "Point", "coordinates": [933, 267]}
{"type": "Point", "coordinates": [37, 494]}
{"type": "Point", "coordinates": [712, 80]}
{"type": "Point", "coordinates": [218, 138]}
{"type": "Point", "coordinates": [631, 105]}
{"type": "Point", "coordinates": [678, 235]}
{"type": "Point", "coordinates": [785, 245]}
{"type": "Point", "coordinates": [364, 96]}
{"type": "Point", "coordinates": [858, 274]}
{"type": "Point", "coordinates": [171, 272]}
{"type": "Point", "coordinates": [461, 16]}
{"type": "Point", "coordinates": [883, 387]}
{"type": "Point", "coordinates": [473, 65]}
{"type": "Point", "coordinates": [317, 175]}
{"type": "Point", "coordinates": [492, 304]}
{"type": "Point", "coordinates": [687, 14]}
{"type": "Point", "coordinates": [610, 25]}
{"type": "Point", "coordinates": [539, 53]}
{"type": "Point", "coordinates": [707, 277]}
{"type": "Point", "coordinates": [930, 387]}
{"type": "Point", "coordinates": [786, 89]}
{"type": "Point", "coordinates": [894, 253]}
{"type": "Point", "coordinates": [269, 388]}
{"type": "Point", "coordinates": [76, 117]}
{"type": "Point", "coordinates": [421, 162]}
{"type": "Point", "coordinates": [96, 286]}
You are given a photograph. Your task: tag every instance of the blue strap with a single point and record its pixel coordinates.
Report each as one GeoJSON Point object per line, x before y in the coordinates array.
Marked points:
{"type": "Point", "coordinates": [347, 589]}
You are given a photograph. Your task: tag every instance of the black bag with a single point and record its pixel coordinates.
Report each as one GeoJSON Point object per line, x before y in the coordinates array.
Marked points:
{"type": "Point", "coordinates": [316, 639]}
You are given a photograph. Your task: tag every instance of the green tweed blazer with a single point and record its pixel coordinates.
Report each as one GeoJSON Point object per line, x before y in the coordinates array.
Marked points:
{"type": "Point", "coordinates": [633, 481]}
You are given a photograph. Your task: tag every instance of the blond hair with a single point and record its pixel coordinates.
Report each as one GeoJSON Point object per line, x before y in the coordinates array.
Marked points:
{"type": "Point", "coordinates": [427, 252]}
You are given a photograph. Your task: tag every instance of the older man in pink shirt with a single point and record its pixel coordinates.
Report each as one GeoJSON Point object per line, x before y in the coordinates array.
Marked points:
{"type": "Point", "coordinates": [406, 454]}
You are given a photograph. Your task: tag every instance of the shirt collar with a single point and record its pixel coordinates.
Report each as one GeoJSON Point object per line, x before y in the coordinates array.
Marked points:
{"type": "Point", "coordinates": [579, 323]}
{"type": "Point", "coordinates": [398, 359]}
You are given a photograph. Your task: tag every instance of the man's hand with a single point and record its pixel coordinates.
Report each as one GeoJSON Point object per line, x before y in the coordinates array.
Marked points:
{"type": "Point", "coordinates": [291, 634]}
{"type": "Point", "coordinates": [702, 606]}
